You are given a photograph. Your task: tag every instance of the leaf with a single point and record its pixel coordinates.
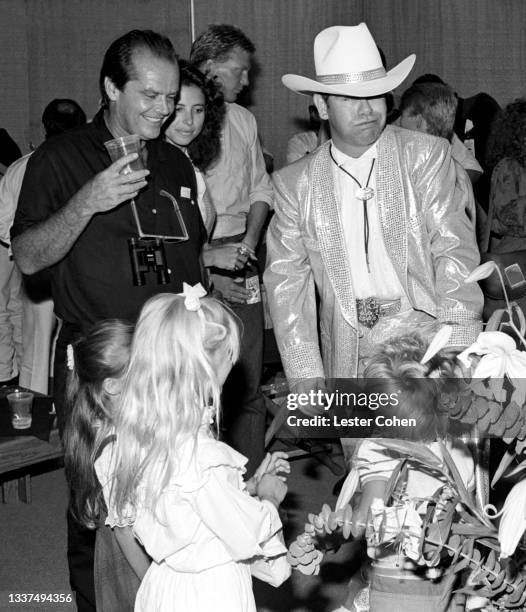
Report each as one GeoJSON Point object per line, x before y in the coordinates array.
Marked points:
{"type": "Point", "coordinates": [466, 552]}
{"type": "Point", "coordinates": [490, 560]}
{"type": "Point", "coordinates": [447, 592]}
{"type": "Point", "coordinates": [461, 488]}
{"type": "Point", "coordinates": [476, 557]}
{"type": "Point", "coordinates": [517, 470]}
{"type": "Point", "coordinates": [490, 542]}
{"type": "Point", "coordinates": [348, 489]}
{"type": "Point", "coordinates": [478, 531]}
{"type": "Point", "coordinates": [391, 483]}
{"type": "Point", "coordinates": [505, 462]}
{"type": "Point", "coordinates": [445, 522]}
{"type": "Point", "coordinates": [439, 341]}
{"type": "Point", "coordinates": [414, 450]}
{"type": "Point", "coordinates": [514, 597]}
{"type": "Point", "coordinates": [517, 310]}
{"type": "Point", "coordinates": [454, 543]}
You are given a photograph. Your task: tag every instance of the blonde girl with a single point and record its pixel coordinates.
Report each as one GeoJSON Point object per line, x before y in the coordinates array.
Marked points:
{"type": "Point", "coordinates": [180, 488]}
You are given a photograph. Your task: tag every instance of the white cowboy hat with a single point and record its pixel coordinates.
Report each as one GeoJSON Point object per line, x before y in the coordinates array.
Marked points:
{"type": "Point", "coordinates": [348, 63]}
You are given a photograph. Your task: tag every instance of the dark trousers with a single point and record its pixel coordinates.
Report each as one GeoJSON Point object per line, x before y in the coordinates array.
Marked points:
{"type": "Point", "coordinates": [244, 411]}
{"type": "Point", "coordinates": [81, 541]}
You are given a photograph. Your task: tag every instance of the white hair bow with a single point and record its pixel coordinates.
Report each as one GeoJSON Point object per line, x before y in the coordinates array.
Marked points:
{"type": "Point", "coordinates": [70, 357]}
{"type": "Point", "coordinates": [192, 296]}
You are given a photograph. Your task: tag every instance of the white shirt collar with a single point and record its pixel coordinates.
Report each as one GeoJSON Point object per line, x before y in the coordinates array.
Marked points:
{"type": "Point", "coordinates": [342, 158]}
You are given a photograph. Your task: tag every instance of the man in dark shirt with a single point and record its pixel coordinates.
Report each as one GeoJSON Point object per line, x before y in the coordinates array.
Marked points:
{"type": "Point", "coordinates": [74, 216]}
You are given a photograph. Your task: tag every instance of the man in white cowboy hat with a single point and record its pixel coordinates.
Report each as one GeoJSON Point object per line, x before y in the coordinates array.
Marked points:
{"type": "Point", "coordinates": [371, 220]}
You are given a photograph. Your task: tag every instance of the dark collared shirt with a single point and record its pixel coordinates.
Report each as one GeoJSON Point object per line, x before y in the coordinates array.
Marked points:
{"type": "Point", "coordinates": [94, 280]}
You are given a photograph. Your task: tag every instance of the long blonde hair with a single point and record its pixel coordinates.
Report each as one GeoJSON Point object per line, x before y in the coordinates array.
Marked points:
{"type": "Point", "coordinates": [170, 383]}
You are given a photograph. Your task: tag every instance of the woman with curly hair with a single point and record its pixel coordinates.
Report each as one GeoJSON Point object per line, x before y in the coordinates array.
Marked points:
{"type": "Point", "coordinates": [195, 128]}
{"type": "Point", "coordinates": [507, 156]}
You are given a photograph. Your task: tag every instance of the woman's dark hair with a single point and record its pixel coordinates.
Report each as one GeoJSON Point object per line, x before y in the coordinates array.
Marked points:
{"type": "Point", "coordinates": [101, 354]}
{"type": "Point", "coordinates": [205, 148]}
{"type": "Point", "coordinates": [507, 137]}
{"type": "Point", "coordinates": [118, 59]}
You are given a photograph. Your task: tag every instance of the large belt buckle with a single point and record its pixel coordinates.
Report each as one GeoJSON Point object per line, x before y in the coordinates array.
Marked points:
{"type": "Point", "coordinates": [368, 310]}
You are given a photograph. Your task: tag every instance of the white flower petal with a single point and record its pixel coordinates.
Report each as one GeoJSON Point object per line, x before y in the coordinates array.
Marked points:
{"type": "Point", "coordinates": [513, 521]}
{"type": "Point", "coordinates": [483, 271]}
{"type": "Point", "coordinates": [516, 366]}
{"type": "Point", "coordinates": [490, 366]}
{"type": "Point", "coordinates": [495, 341]}
{"type": "Point", "coordinates": [439, 341]}
{"type": "Point", "coordinates": [464, 357]}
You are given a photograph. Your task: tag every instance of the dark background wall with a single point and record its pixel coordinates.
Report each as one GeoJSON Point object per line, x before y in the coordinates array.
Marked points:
{"type": "Point", "coordinates": [54, 48]}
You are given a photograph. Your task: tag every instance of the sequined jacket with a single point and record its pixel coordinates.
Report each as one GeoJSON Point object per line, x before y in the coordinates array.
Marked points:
{"type": "Point", "coordinates": [428, 237]}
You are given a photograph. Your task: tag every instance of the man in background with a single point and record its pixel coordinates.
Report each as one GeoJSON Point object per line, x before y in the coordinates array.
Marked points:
{"type": "Point", "coordinates": [26, 308]}
{"type": "Point", "coordinates": [431, 108]}
{"type": "Point", "coordinates": [473, 121]}
{"type": "Point", "coordinates": [242, 194]}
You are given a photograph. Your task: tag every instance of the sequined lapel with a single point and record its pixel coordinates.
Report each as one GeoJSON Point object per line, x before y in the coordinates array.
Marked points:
{"type": "Point", "coordinates": [330, 234]}
{"type": "Point", "coordinates": [390, 202]}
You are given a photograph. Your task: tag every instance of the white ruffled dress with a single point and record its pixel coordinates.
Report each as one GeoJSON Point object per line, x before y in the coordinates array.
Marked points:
{"type": "Point", "coordinates": [206, 537]}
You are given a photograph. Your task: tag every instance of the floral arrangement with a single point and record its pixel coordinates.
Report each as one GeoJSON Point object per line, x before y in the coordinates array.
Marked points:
{"type": "Point", "coordinates": [452, 535]}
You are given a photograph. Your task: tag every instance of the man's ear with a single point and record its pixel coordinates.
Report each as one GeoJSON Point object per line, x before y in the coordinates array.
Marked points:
{"type": "Point", "coordinates": [321, 105]}
{"type": "Point", "coordinates": [421, 123]}
{"type": "Point", "coordinates": [111, 89]}
{"type": "Point", "coordinates": [206, 67]}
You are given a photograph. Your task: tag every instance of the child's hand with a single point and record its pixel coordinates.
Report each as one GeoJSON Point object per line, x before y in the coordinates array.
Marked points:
{"type": "Point", "coordinates": [279, 465]}
{"type": "Point", "coordinates": [271, 488]}
{"type": "Point", "coordinates": [275, 464]}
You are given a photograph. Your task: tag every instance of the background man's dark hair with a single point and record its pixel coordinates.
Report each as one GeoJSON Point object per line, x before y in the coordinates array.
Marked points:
{"type": "Point", "coordinates": [428, 77]}
{"type": "Point", "coordinates": [217, 42]}
{"type": "Point", "coordinates": [62, 114]}
{"type": "Point", "coordinates": [118, 59]}
{"type": "Point", "coordinates": [436, 103]}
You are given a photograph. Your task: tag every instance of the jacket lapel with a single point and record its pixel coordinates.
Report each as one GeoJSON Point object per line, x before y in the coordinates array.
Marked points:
{"type": "Point", "coordinates": [390, 202]}
{"type": "Point", "coordinates": [330, 234]}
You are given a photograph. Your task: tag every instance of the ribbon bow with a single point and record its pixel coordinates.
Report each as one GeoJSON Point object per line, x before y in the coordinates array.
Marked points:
{"type": "Point", "coordinates": [192, 296]}
{"type": "Point", "coordinates": [70, 357]}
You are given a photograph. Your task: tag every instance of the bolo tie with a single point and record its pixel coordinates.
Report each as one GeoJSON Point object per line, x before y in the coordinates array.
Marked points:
{"type": "Point", "coordinates": [364, 194]}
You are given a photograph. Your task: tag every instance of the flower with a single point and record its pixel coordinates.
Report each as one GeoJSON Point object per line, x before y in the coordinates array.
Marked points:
{"type": "Point", "coordinates": [513, 521]}
{"type": "Point", "coordinates": [482, 271]}
{"type": "Point", "coordinates": [192, 296]}
{"type": "Point", "coordinates": [500, 358]}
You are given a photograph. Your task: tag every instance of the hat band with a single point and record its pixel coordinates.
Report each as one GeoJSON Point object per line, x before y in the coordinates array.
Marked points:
{"type": "Point", "coordinates": [351, 77]}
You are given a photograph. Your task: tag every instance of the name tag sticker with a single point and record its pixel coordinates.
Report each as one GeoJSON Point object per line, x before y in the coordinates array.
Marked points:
{"type": "Point", "coordinates": [186, 193]}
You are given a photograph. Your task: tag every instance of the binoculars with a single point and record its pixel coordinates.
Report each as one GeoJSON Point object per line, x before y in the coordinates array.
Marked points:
{"type": "Point", "coordinates": [148, 256]}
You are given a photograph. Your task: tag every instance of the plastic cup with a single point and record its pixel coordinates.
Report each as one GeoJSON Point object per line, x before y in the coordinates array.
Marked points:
{"type": "Point", "coordinates": [20, 406]}
{"type": "Point", "coordinates": [119, 147]}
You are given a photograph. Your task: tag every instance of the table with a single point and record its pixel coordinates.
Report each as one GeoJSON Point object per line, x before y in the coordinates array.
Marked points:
{"type": "Point", "coordinates": [18, 454]}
